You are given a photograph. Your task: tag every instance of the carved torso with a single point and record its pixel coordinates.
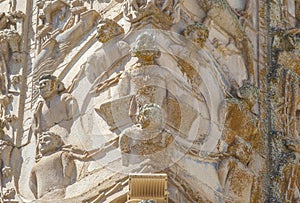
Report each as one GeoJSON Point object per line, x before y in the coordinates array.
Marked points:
{"type": "Point", "coordinates": [135, 141]}
{"type": "Point", "coordinates": [59, 168]}
{"type": "Point", "coordinates": [57, 111]}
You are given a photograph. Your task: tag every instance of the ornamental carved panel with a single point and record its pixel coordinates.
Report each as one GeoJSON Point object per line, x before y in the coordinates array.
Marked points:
{"type": "Point", "coordinates": [204, 92]}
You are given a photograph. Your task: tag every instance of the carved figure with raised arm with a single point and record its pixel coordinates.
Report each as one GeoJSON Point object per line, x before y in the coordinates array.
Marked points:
{"type": "Point", "coordinates": [55, 107]}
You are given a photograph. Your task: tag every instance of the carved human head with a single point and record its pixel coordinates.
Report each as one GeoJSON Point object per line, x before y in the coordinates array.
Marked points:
{"type": "Point", "coordinates": [108, 29]}
{"type": "Point", "coordinates": [49, 85]}
{"type": "Point", "coordinates": [49, 142]}
{"type": "Point", "coordinates": [150, 117]}
{"type": "Point", "coordinates": [197, 32]}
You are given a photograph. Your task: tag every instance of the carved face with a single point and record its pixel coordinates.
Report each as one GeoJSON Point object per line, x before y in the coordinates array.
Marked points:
{"type": "Point", "coordinates": [49, 143]}
{"type": "Point", "coordinates": [47, 88]}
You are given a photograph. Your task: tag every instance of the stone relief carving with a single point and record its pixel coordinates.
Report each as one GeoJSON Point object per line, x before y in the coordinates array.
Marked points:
{"type": "Point", "coordinates": [54, 163]}
{"type": "Point", "coordinates": [147, 139]}
{"type": "Point", "coordinates": [241, 108]}
{"type": "Point", "coordinates": [285, 78]}
{"type": "Point", "coordinates": [55, 108]}
{"type": "Point", "coordinates": [197, 33]}
{"type": "Point", "coordinates": [117, 90]}
{"type": "Point", "coordinates": [163, 13]}
{"type": "Point", "coordinates": [52, 14]}
{"type": "Point", "coordinates": [10, 56]}
{"type": "Point", "coordinates": [233, 167]}
{"type": "Point", "coordinates": [10, 20]}
{"type": "Point", "coordinates": [11, 28]}
{"type": "Point", "coordinates": [108, 29]}
{"type": "Point", "coordinates": [6, 145]}
{"type": "Point", "coordinates": [242, 145]}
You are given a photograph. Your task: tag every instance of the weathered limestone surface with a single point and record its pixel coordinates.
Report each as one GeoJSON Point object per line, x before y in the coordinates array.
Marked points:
{"type": "Point", "coordinates": [206, 91]}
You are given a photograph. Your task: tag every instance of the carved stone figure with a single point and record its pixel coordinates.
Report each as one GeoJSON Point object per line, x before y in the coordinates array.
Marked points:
{"type": "Point", "coordinates": [54, 171]}
{"type": "Point", "coordinates": [9, 20]}
{"type": "Point", "coordinates": [158, 101]}
{"type": "Point", "coordinates": [6, 147]}
{"type": "Point", "coordinates": [145, 49]}
{"type": "Point", "coordinates": [148, 137]}
{"type": "Point", "coordinates": [9, 51]}
{"type": "Point", "coordinates": [54, 108]}
{"type": "Point", "coordinates": [236, 178]}
{"type": "Point", "coordinates": [4, 59]}
{"type": "Point", "coordinates": [5, 101]}
{"type": "Point", "coordinates": [108, 29]}
{"type": "Point", "coordinates": [240, 136]}
{"type": "Point", "coordinates": [240, 119]}
{"type": "Point", "coordinates": [145, 80]}
{"type": "Point", "coordinates": [164, 12]}
{"type": "Point", "coordinates": [197, 33]}
{"type": "Point", "coordinates": [50, 15]}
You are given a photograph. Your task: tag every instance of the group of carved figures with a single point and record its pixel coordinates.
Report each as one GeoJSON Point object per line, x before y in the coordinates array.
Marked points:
{"type": "Point", "coordinates": [147, 139]}
{"type": "Point", "coordinates": [55, 14]}
{"type": "Point", "coordinates": [55, 112]}
{"type": "Point", "coordinates": [10, 58]}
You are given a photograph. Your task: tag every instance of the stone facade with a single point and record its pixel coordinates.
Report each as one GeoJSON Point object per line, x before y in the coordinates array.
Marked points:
{"type": "Point", "coordinates": [205, 91]}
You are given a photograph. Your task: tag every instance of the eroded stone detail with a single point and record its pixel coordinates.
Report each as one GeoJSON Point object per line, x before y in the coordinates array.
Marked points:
{"type": "Point", "coordinates": [162, 13]}
{"type": "Point", "coordinates": [55, 108]}
{"type": "Point", "coordinates": [197, 33]}
{"type": "Point", "coordinates": [10, 20]}
{"type": "Point", "coordinates": [145, 49]}
{"type": "Point", "coordinates": [8, 191]}
{"type": "Point", "coordinates": [10, 54]}
{"type": "Point", "coordinates": [126, 109]}
{"type": "Point", "coordinates": [108, 29]}
{"type": "Point", "coordinates": [54, 163]}
{"type": "Point", "coordinates": [52, 13]}
{"type": "Point", "coordinates": [147, 139]}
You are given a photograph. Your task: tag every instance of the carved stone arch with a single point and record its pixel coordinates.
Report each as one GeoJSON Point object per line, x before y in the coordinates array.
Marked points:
{"type": "Point", "coordinates": [203, 74]}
